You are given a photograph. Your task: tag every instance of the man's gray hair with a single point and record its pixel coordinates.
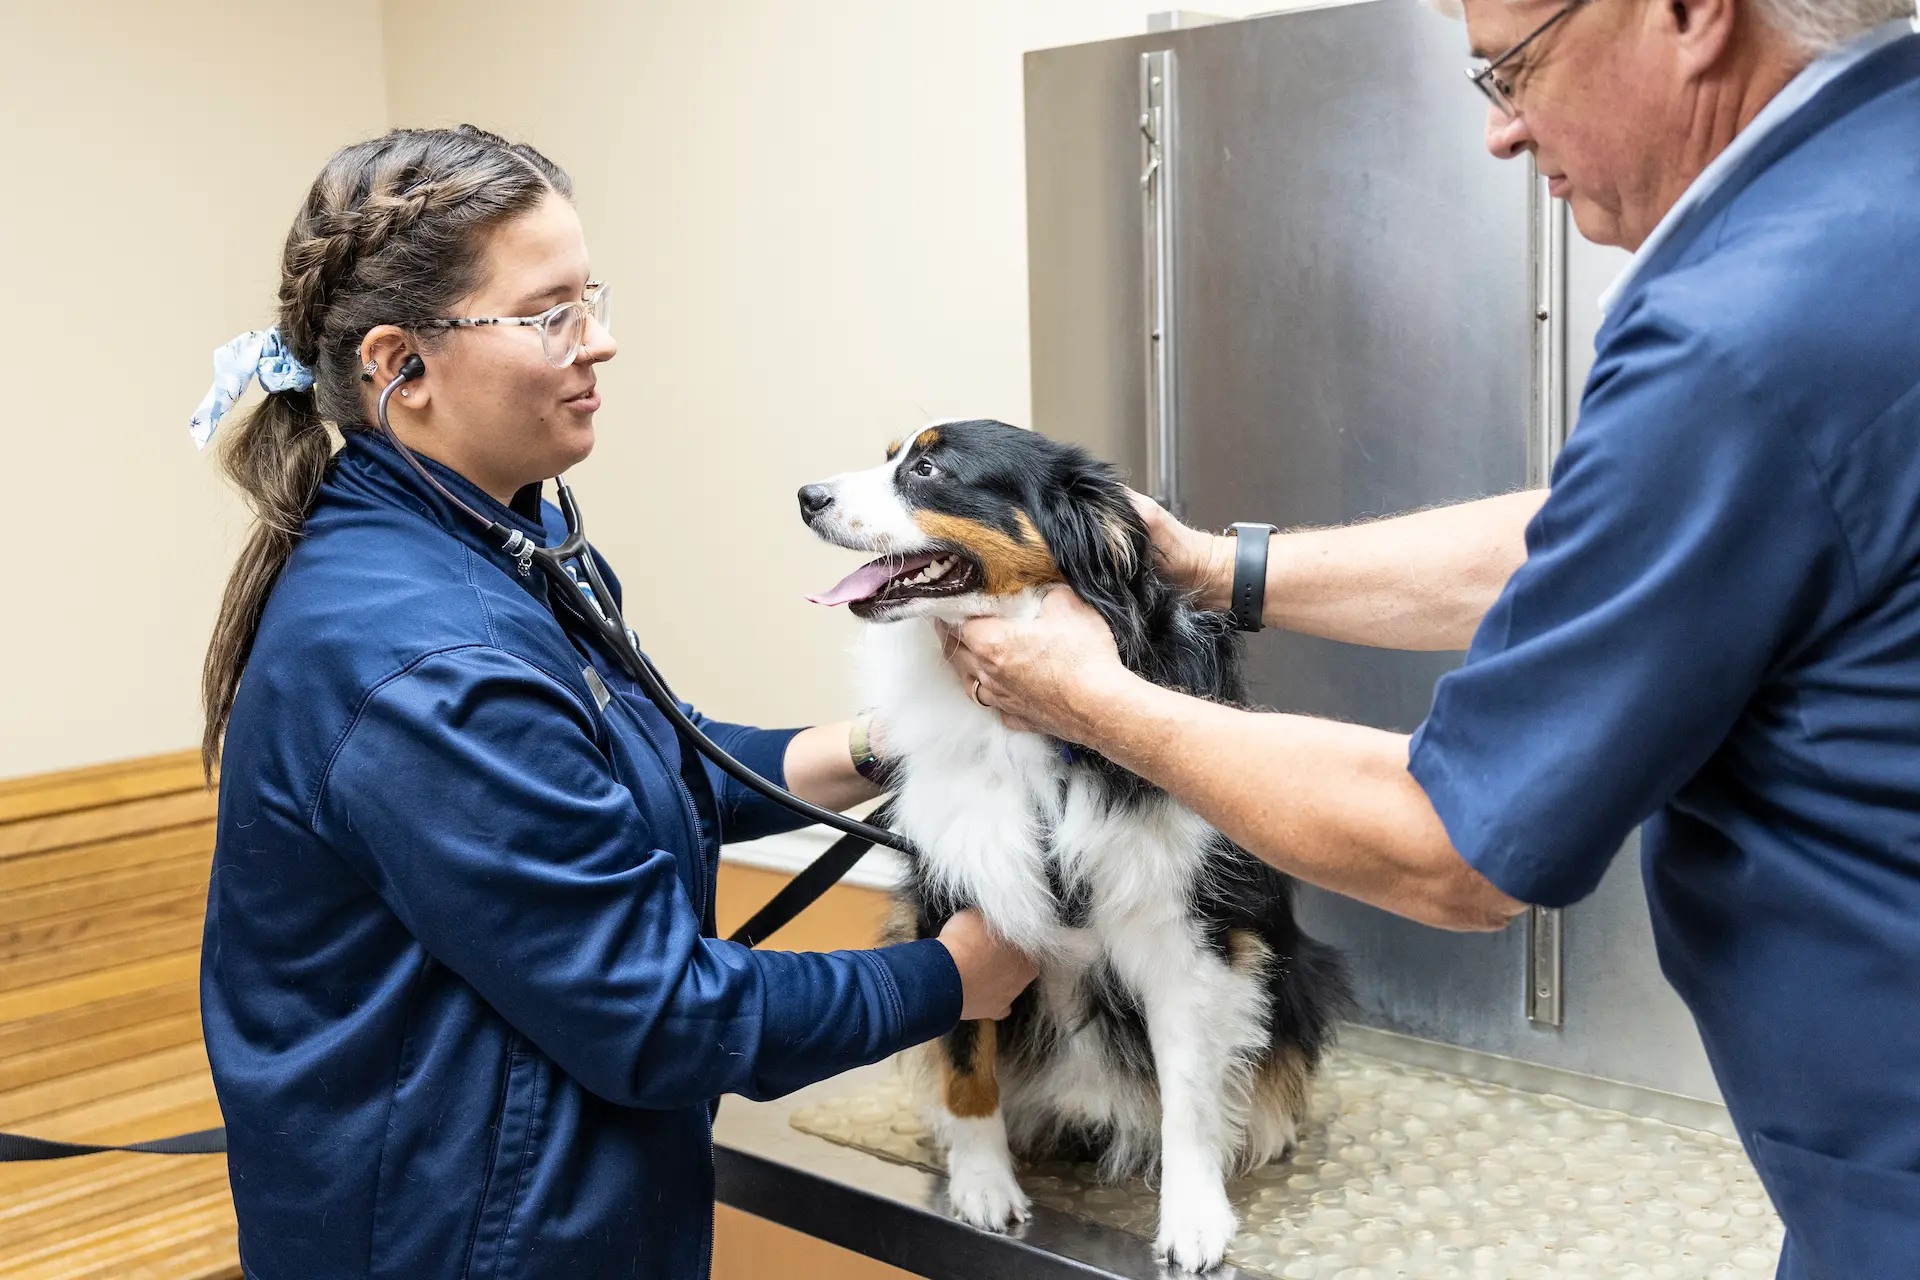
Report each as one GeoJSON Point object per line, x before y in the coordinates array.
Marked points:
{"type": "Point", "coordinates": [1813, 27]}
{"type": "Point", "coordinates": [1817, 26]}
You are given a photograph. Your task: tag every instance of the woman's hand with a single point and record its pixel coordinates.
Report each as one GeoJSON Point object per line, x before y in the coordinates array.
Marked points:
{"type": "Point", "coordinates": [992, 973]}
{"type": "Point", "coordinates": [1201, 562]}
{"type": "Point", "coordinates": [1054, 674]}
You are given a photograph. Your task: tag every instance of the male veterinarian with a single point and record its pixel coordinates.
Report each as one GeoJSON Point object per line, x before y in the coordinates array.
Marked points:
{"type": "Point", "coordinates": [1710, 626]}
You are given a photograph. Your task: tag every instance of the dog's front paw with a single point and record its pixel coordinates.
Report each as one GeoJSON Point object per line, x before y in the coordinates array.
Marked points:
{"type": "Point", "coordinates": [985, 1194]}
{"type": "Point", "coordinates": [1195, 1227]}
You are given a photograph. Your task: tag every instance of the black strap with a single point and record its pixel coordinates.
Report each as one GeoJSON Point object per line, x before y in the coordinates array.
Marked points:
{"type": "Point", "coordinates": [17, 1146]}
{"type": "Point", "coordinates": [1250, 573]}
{"type": "Point", "coordinates": [796, 896]}
{"type": "Point", "coordinates": [805, 889]}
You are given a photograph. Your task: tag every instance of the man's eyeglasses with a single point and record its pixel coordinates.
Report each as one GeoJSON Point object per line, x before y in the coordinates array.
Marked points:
{"type": "Point", "coordinates": [563, 328]}
{"type": "Point", "coordinates": [1487, 77]}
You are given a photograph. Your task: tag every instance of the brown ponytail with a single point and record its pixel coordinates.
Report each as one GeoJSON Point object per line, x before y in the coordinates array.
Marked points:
{"type": "Point", "coordinates": [392, 232]}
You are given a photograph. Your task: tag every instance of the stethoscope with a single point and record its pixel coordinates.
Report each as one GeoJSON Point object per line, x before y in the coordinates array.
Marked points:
{"type": "Point", "coordinates": [592, 605]}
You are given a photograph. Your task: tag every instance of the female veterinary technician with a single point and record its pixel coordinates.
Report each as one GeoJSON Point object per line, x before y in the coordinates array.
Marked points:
{"type": "Point", "coordinates": [464, 1007]}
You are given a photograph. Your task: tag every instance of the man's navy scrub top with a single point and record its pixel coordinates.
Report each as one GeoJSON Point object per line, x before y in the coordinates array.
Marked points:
{"type": "Point", "coordinates": [1717, 632]}
{"type": "Point", "coordinates": [464, 1007]}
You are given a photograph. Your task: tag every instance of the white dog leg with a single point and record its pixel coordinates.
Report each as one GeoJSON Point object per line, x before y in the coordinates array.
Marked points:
{"type": "Point", "coordinates": [980, 1177]}
{"type": "Point", "coordinates": [1196, 1222]}
{"type": "Point", "coordinates": [1196, 1027]}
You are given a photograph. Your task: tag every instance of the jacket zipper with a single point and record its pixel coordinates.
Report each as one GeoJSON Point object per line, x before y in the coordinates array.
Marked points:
{"type": "Point", "coordinates": [493, 1154]}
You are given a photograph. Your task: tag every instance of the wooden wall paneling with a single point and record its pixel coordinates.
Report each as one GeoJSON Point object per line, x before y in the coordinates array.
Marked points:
{"type": "Point", "coordinates": [66, 993]}
{"type": "Point", "coordinates": [133, 817]}
{"type": "Point", "coordinates": [103, 885]}
{"type": "Point", "coordinates": [166, 775]}
{"type": "Point", "coordinates": [102, 890]}
{"type": "Point", "coordinates": [54, 1061]}
{"type": "Point", "coordinates": [846, 916]}
{"type": "Point", "coordinates": [28, 871]}
{"type": "Point", "coordinates": [749, 1248]}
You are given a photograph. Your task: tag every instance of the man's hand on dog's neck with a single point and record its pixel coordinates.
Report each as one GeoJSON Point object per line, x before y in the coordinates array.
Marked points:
{"type": "Point", "coordinates": [1050, 674]}
{"type": "Point", "coordinates": [1329, 803]}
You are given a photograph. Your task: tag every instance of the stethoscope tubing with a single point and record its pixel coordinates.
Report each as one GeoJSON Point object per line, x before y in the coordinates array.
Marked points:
{"type": "Point", "coordinates": [592, 603]}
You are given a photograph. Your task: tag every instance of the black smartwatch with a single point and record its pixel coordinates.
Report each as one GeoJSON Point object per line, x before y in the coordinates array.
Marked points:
{"type": "Point", "coordinates": [1250, 572]}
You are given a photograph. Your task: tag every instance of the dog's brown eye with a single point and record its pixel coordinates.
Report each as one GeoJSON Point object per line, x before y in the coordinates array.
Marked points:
{"type": "Point", "coordinates": [925, 469]}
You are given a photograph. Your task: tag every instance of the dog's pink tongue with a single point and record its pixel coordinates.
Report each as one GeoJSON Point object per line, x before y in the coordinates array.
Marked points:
{"type": "Point", "coordinates": [869, 579]}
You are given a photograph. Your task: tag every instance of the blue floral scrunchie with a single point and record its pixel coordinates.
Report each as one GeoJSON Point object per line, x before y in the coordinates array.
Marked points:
{"type": "Point", "coordinates": [259, 353]}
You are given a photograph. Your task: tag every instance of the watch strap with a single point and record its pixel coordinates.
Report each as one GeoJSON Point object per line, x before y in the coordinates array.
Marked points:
{"type": "Point", "coordinates": [1249, 598]}
{"type": "Point", "coordinates": [866, 762]}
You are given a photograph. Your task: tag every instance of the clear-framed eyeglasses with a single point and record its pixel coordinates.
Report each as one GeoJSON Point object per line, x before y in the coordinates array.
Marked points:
{"type": "Point", "coordinates": [563, 328]}
{"type": "Point", "coordinates": [1497, 78]}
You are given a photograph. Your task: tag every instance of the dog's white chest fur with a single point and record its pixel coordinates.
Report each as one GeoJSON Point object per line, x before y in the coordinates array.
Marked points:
{"type": "Point", "coordinates": [992, 810]}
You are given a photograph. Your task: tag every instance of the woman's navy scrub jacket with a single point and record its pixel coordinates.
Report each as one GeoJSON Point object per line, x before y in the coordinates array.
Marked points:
{"type": "Point", "coordinates": [1718, 629]}
{"type": "Point", "coordinates": [464, 1007]}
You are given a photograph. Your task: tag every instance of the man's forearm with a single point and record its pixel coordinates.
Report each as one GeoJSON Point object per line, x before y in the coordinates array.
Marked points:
{"type": "Point", "coordinates": [1420, 581]}
{"type": "Point", "coordinates": [1326, 802]}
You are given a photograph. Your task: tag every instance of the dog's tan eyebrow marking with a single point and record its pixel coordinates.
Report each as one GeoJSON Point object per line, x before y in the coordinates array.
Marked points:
{"type": "Point", "coordinates": [894, 448]}
{"type": "Point", "coordinates": [927, 439]}
{"type": "Point", "coordinates": [1008, 564]}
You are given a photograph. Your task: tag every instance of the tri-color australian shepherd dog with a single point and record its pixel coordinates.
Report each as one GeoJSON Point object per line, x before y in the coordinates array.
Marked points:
{"type": "Point", "coordinates": [1180, 1010]}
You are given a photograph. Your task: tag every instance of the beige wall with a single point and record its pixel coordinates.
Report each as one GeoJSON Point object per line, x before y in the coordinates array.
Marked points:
{"type": "Point", "coordinates": [155, 154]}
{"type": "Point", "coordinates": [813, 214]}
{"type": "Point", "coordinates": [814, 218]}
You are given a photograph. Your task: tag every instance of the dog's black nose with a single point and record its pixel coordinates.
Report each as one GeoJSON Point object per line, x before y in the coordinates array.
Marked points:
{"type": "Point", "coordinates": [814, 499]}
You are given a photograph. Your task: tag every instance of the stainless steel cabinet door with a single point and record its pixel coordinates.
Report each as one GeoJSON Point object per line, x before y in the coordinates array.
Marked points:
{"type": "Point", "coordinates": [1354, 336]}
{"type": "Point", "coordinates": [1351, 334]}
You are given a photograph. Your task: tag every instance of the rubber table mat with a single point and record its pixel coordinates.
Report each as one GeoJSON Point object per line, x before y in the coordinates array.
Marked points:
{"type": "Point", "coordinates": [1403, 1171]}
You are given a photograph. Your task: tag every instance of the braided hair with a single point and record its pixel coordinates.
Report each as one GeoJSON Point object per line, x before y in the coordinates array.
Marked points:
{"type": "Point", "coordinates": [393, 231]}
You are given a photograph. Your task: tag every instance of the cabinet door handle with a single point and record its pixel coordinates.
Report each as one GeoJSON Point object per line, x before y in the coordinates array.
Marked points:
{"type": "Point", "coordinates": [1157, 134]}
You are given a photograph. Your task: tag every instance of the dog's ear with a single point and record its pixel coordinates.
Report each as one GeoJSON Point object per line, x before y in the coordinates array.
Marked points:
{"type": "Point", "coordinates": [1100, 545]}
